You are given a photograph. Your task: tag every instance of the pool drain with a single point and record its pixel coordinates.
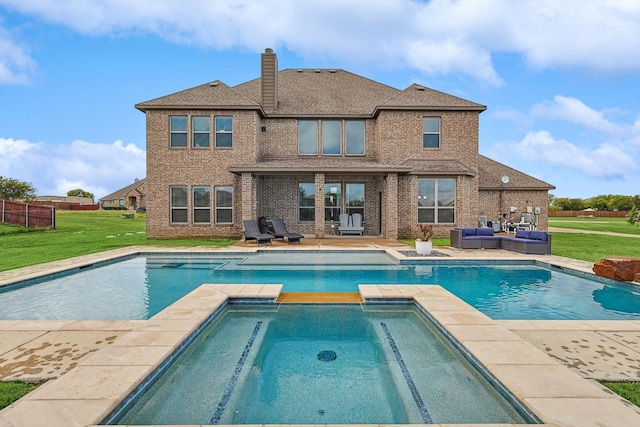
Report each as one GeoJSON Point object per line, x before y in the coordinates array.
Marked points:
{"type": "Point", "coordinates": [327, 356]}
{"type": "Point", "coordinates": [320, 411]}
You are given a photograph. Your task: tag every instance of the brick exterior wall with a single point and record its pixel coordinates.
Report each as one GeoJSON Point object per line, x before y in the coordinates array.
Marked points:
{"type": "Point", "coordinates": [392, 138]}
{"type": "Point", "coordinates": [490, 203]}
{"type": "Point", "coordinates": [190, 166]}
{"type": "Point", "coordinates": [400, 139]}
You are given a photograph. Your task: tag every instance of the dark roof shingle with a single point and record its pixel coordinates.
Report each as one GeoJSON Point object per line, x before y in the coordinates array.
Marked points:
{"type": "Point", "coordinates": [313, 93]}
{"type": "Point", "coordinates": [491, 173]}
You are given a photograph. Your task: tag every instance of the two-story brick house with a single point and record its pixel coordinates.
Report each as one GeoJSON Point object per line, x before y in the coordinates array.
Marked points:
{"type": "Point", "coordinates": [308, 144]}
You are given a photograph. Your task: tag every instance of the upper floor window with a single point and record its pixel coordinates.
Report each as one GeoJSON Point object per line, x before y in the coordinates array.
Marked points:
{"type": "Point", "coordinates": [179, 204]}
{"type": "Point", "coordinates": [201, 129]}
{"type": "Point", "coordinates": [178, 126]}
{"type": "Point", "coordinates": [331, 137]}
{"type": "Point", "coordinates": [431, 132]}
{"type": "Point", "coordinates": [354, 137]}
{"type": "Point", "coordinates": [308, 137]}
{"type": "Point", "coordinates": [336, 137]}
{"type": "Point", "coordinates": [436, 200]}
{"type": "Point", "coordinates": [224, 205]}
{"type": "Point", "coordinates": [201, 205]}
{"type": "Point", "coordinates": [224, 132]}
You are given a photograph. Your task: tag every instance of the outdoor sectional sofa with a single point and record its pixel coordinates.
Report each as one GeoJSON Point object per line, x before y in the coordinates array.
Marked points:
{"type": "Point", "coordinates": [524, 241]}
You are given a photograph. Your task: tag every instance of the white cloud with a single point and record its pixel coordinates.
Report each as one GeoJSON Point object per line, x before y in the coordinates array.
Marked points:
{"type": "Point", "coordinates": [606, 161]}
{"type": "Point", "coordinates": [575, 111]}
{"type": "Point", "coordinates": [55, 169]}
{"type": "Point", "coordinates": [436, 37]}
{"type": "Point", "coordinates": [16, 64]}
{"type": "Point", "coordinates": [14, 148]}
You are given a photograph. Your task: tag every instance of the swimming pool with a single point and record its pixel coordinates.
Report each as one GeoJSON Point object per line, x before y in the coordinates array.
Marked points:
{"type": "Point", "coordinates": [321, 364]}
{"type": "Point", "coordinates": [138, 287]}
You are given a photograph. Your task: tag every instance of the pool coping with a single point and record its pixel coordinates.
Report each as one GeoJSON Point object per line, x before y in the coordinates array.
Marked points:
{"type": "Point", "coordinates": [86, 394]}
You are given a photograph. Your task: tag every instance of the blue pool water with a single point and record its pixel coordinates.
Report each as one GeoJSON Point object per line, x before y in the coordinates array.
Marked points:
{"type": "Point", "coordinates": [141, 286]}
{"type": "Point", "coordinates": [262, 365]}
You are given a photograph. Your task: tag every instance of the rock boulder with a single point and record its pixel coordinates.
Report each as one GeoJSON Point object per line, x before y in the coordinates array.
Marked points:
{"type": "Point", "coordinates": [617, 268]}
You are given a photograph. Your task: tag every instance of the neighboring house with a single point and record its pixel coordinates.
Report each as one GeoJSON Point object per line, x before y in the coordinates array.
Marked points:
{"type": "Point", "coordinates": [308, 144]}
{"type": "Point", "coordinates": [130, 197]}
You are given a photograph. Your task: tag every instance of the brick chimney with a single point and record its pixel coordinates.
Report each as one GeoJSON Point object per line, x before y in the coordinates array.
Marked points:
{"type": "Point", "coordinates": [269, 74]}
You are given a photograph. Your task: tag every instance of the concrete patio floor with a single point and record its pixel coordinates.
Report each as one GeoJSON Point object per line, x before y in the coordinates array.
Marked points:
{"type": "Point", "coordinates": [549, 365]}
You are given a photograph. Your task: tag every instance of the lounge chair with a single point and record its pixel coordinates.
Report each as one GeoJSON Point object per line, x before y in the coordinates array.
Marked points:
{"type": "Point", "coordinates": [350, 224]}
{"type": "Point", "coordinates": [280, 231]}
{"type": "Point", "coordinates": [356, 219]}
{"type": "Point", "coordinates": [252, 232]}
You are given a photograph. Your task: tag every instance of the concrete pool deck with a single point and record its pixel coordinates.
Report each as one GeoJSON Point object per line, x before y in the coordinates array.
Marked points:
{"type": "Point", "coordinates": [92, 365]}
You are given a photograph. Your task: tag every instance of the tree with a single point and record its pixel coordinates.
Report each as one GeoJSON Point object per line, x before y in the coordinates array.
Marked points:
{"type": "Point", "coordinates": [552, 199]}
{"type": "Point", "coordinates": [79, 192]}
{"type": "Point", "coordinates": [632, 216]}
{"type": "Point", "coordinates": [567, 204]}
{"type": "Point", "coordinates": [12, 189]}
{"type": "Point", "coordinates": [600, 203]}
{"type": "Point", "coordinates": [620, 203]}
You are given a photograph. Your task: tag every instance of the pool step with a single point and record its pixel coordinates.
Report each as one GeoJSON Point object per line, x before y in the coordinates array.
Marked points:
{"type": "Point", "coordinates": [319, 297]}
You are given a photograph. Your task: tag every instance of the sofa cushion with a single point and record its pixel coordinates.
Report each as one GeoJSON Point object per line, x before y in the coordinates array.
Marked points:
{"type": "Point", "coordinates": [468, 232]}
{"type": "Point", "coordinates": [484, 232]}
{"type": "Point", "coordinates": [522, 234]}
{"type": "Point", "coordinates": [538, 235]}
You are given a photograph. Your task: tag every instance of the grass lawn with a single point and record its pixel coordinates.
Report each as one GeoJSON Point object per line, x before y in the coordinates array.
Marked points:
{"type": "Point", "coordinates": [593, 247]}
{"type": "Point", "coordinates": [80, 233]}
{"type": "Point", "coordinates": [628, 390]}
{"type": "Point", "coordinates": [615, 225]}
{"type": "Point", "coordinates": [13, 390]}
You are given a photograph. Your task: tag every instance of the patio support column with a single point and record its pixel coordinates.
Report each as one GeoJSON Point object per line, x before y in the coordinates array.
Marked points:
{"type": "Point", "coordinates": [319, 212]}
{"type": "Point", "coordinates": [391, 206]}
{"type": "Point", "coordinates": [247, 197]}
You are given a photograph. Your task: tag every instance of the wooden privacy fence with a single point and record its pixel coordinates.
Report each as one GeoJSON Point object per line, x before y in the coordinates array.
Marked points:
{"type": "Point", "coordinates": [27, 214]}
{"type": "Point", "coordinates": [589, 214]}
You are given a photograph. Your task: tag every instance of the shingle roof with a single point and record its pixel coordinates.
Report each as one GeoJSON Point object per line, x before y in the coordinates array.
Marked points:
{"type": "Point", "coordinates": [314, 92]}
{"type": "Point", "coordinates": [210, 95]}
{"type": "Point", "coordinates": [420, 97]}
{"type": "Point", "coordinates": [491, 172]}
{"type": "Point", "coordinates": [310, 165]}
{"type": "Point", "coordinates": [124, 191]}
{"type": "Point", "coordinates": [439, 167]}
{"type": "Point", "coordinates": [322, 92]}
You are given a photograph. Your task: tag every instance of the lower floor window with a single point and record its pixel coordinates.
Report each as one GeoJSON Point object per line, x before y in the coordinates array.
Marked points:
{"type": "Point", "coordinates": [224, 205]}
{"type": "Point", "coordinates": [354, 198]}
{"type": "Point", "coordinates": [436, 200]}
{"type": "Point", "coordinates": [332, 201]}
{"type": "Point", "coordinates": [339, 197]}
{"type": "Point", "coordinates": [179, 204]}
{"type": "Point", "coordinates": [306, 201]}
{"type": "Point", "coordinates": [201, 205]}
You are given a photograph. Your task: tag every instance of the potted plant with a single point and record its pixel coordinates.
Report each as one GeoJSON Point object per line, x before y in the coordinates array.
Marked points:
{"type": "Point", "coordinates": [423, 244]}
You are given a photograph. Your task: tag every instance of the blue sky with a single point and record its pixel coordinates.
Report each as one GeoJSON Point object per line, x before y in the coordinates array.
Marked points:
{"type": "Point", "coordinates": [560, 79]}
